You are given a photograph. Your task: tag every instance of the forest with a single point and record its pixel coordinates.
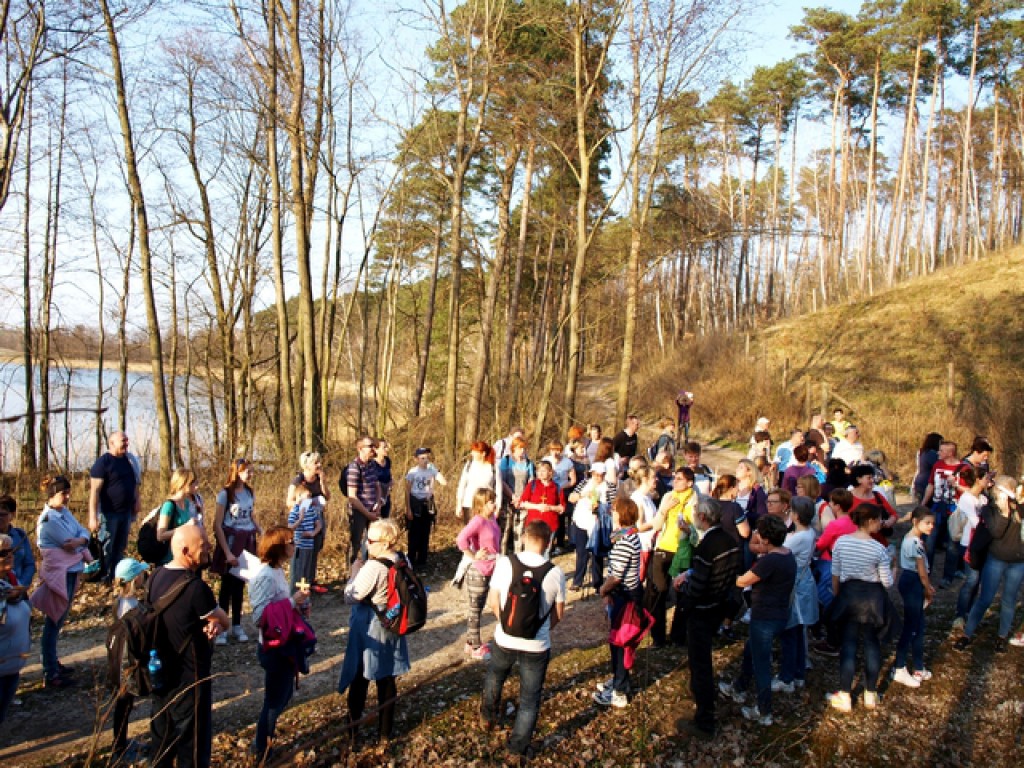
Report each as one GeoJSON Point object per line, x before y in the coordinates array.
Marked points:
{"type": "Point", "coordinates": [348, 217]}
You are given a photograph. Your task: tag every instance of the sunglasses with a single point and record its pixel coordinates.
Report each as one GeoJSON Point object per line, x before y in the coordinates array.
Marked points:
{"type": "Point", "coordinates": [6, 553]}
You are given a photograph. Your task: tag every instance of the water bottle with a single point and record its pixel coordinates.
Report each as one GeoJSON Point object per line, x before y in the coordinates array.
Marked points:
{"type": "Point", "coordinates": [156, 673]}
{"type": "Point", "coordinates": [393, 612]}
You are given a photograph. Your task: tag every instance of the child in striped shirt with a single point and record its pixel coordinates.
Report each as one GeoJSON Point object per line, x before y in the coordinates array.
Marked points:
{"type": "Point", "coordinates": [305, 522]}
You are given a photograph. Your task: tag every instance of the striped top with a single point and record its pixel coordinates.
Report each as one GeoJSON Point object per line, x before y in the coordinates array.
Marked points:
{"type": "Point", "coordinates": [861, 559]}
{"type": "Point", "coordinates": [624, 559]}
{"type": "Point", "coordinates": [302, 519]}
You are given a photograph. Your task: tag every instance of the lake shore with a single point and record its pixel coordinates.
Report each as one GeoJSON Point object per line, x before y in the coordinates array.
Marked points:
{"type": "Point", "coordinates": [75, 363]}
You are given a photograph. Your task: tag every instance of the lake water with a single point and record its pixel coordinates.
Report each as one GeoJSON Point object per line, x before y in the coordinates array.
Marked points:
{"type": "Point", "coordinates": [72, 436]}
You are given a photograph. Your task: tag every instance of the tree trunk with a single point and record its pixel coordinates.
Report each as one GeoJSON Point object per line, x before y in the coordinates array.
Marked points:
{"type": "Point", "coordinates": [138, 201]}
{"type": "Point", "coordinates": [481, 365]}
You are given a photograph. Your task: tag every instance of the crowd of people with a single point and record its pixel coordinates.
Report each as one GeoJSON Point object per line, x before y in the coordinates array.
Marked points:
{"type": "Point", "coordinates": [797, 543]}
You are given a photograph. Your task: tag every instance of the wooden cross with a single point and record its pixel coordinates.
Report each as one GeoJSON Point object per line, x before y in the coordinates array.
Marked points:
{"type": "Point", "coordinates": [303, 585]}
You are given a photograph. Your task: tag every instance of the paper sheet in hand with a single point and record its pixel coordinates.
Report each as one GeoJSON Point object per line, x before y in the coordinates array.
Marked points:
{"type": "Point", "coordinates": [247, 566]}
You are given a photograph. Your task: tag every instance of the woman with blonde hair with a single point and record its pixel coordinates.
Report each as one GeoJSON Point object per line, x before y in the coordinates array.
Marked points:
{"type": "Point", "coordinates": [179, 508]}
{"type": "Point", "coordinates": [373, 651]}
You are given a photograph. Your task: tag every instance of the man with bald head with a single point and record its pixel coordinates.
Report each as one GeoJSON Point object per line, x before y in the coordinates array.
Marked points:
{"type": "Point", "coordinates": [181, 724]}
{"type": "Point", "coordinates": [113, 501]}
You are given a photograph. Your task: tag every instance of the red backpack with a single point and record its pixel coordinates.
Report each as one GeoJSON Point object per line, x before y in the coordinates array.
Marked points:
{"type": "Point", "coordinates": [406, 607]}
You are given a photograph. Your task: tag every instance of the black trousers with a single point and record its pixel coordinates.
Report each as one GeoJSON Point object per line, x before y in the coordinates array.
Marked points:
{"type": "Point", "coordinates": [702, 626]}
{"type": "Point", "coordinates": [181, 727]}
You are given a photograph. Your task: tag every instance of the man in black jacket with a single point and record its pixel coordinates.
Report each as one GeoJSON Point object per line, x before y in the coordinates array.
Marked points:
{"type": "Point", "coordinates": [705, 590]}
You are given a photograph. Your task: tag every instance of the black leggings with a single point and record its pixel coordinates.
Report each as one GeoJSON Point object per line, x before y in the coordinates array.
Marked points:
{"type": "Point", "coordinates": [387, 690]}
{"type": "Point", "coordinates": [231, 588]}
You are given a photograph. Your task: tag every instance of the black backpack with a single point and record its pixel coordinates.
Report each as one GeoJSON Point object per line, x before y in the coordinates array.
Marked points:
{"type": "Point", "coordinates": [151, 549]}
{"type": "Point", "coordinates": [131, 638]}
{"type": "Point", "coordinates": [406, 609]}
{"type": "Point", "coordinates": [521, 615]}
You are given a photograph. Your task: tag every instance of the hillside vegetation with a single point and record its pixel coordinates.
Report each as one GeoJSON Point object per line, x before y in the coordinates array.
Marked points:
{"type": "Point", "coordinates": [886, 358]}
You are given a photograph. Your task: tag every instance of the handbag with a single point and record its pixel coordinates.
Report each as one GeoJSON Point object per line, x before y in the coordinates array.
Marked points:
{"type": "Point", "coordinates": [982, 538]}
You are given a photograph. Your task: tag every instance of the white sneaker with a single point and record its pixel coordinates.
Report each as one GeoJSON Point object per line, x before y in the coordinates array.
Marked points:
{"type": "Point", "coordinates": [870, 700]}
{"type": "Point", "coordinates": [778, 686]}
{"type": "Point", "coordinates": [922, 675]}
{"type": "Point", "coordinates": [728, 691]}
{"type": "Point", "coordinates": [840, 700]}
{"type": "Point", "coordinates": [903, 677]}
{"type": "Point", "coordinates": [609, 698]}
{"type": "Point", "coordinates": [753, 713]}
{"type": "Point", "coordinates": [606, 685]}
{"type": "Point", "coordinates": [222, 639]}
{"type": "Point", "coordinates": [1017, 641]}
{"type": "Point", "coordinates": [239, 634]}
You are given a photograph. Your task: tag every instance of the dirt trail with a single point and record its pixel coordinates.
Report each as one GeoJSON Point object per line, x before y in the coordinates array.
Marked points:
{"type": "Point", "coordinates": [49, 726]}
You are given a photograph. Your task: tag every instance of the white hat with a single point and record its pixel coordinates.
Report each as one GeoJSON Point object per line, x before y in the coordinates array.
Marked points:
{"type": "Point", "coordinates": [764, 421]}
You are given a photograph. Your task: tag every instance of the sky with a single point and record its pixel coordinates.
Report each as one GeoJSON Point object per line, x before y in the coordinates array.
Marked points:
{"type": "Point", "coordinates": [764, 41]}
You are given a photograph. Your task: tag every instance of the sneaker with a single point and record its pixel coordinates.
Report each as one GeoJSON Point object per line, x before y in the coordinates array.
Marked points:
{"type": "Point", "coordinates": [903, 677]}
{"type": "Point", "coordinates": [606, 685]}
{"type": "Point", "coordinates": [59, 681]}
{"type": "Point", "coordinates": [959, 622]}
{"type": "Point", "coordinates": [1017, 641]}
{"type": "Point", "coordinates": [840, 701]}
{"type": "Point", "coordinates": [922, 675]}
{"type": "Point", "coordinates": [870, 700]}
{"type": "Point", "coordinates": [825, 649]}
{"type": "Point", "coordinates": [726, 633]}
{"type": "Point", "coordinates": [483, 653]}
{"type": "Point", "coordinates": [779, 686]}
{"type": "Point", "coordinates": [610, 698]}
{"type": "Point", "coordinates": [753, 713]}
{"type": "Point", "coordinates": [239, 634]}
{"type": "Point", "coordinates": [222, 639]}
{"type": "Point", "coordinates": [65, 671]}
{"type": "Point", "coordinates": [318, 589]}
{"type": "Point", "coordinates": [727, 690]}
{"type": "Point", "coordinates": [962, 642]}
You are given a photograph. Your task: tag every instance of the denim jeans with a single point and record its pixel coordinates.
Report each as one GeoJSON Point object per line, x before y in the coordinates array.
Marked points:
{"type": "Point", "coordinates": [968, 592]}
{"type": "Point", "coordinates": [585, 557]}
{"type": "Point", "coordinates": [620, 675]}
{"type": "Point", "coordinates": [912, 637]}
{"type": "Point", "coordinates": [278, 686]}
{"type": "Point", "coordinates": [991, 575]}
{"type": "Point", "coordinates": [848, 656]}
{"type": "Point", "coordinates": [51, 631]}
{"type": "Point", "coordinates": [113, 536]}
{"type": "Point", "coordinates": [794, 654]}
{"type": "Point", "coordinates": [954, 560]}
{"type": "Point", "coordinates": [757, 660]}
{"type": "Point", "coordinates": [532, 669]}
